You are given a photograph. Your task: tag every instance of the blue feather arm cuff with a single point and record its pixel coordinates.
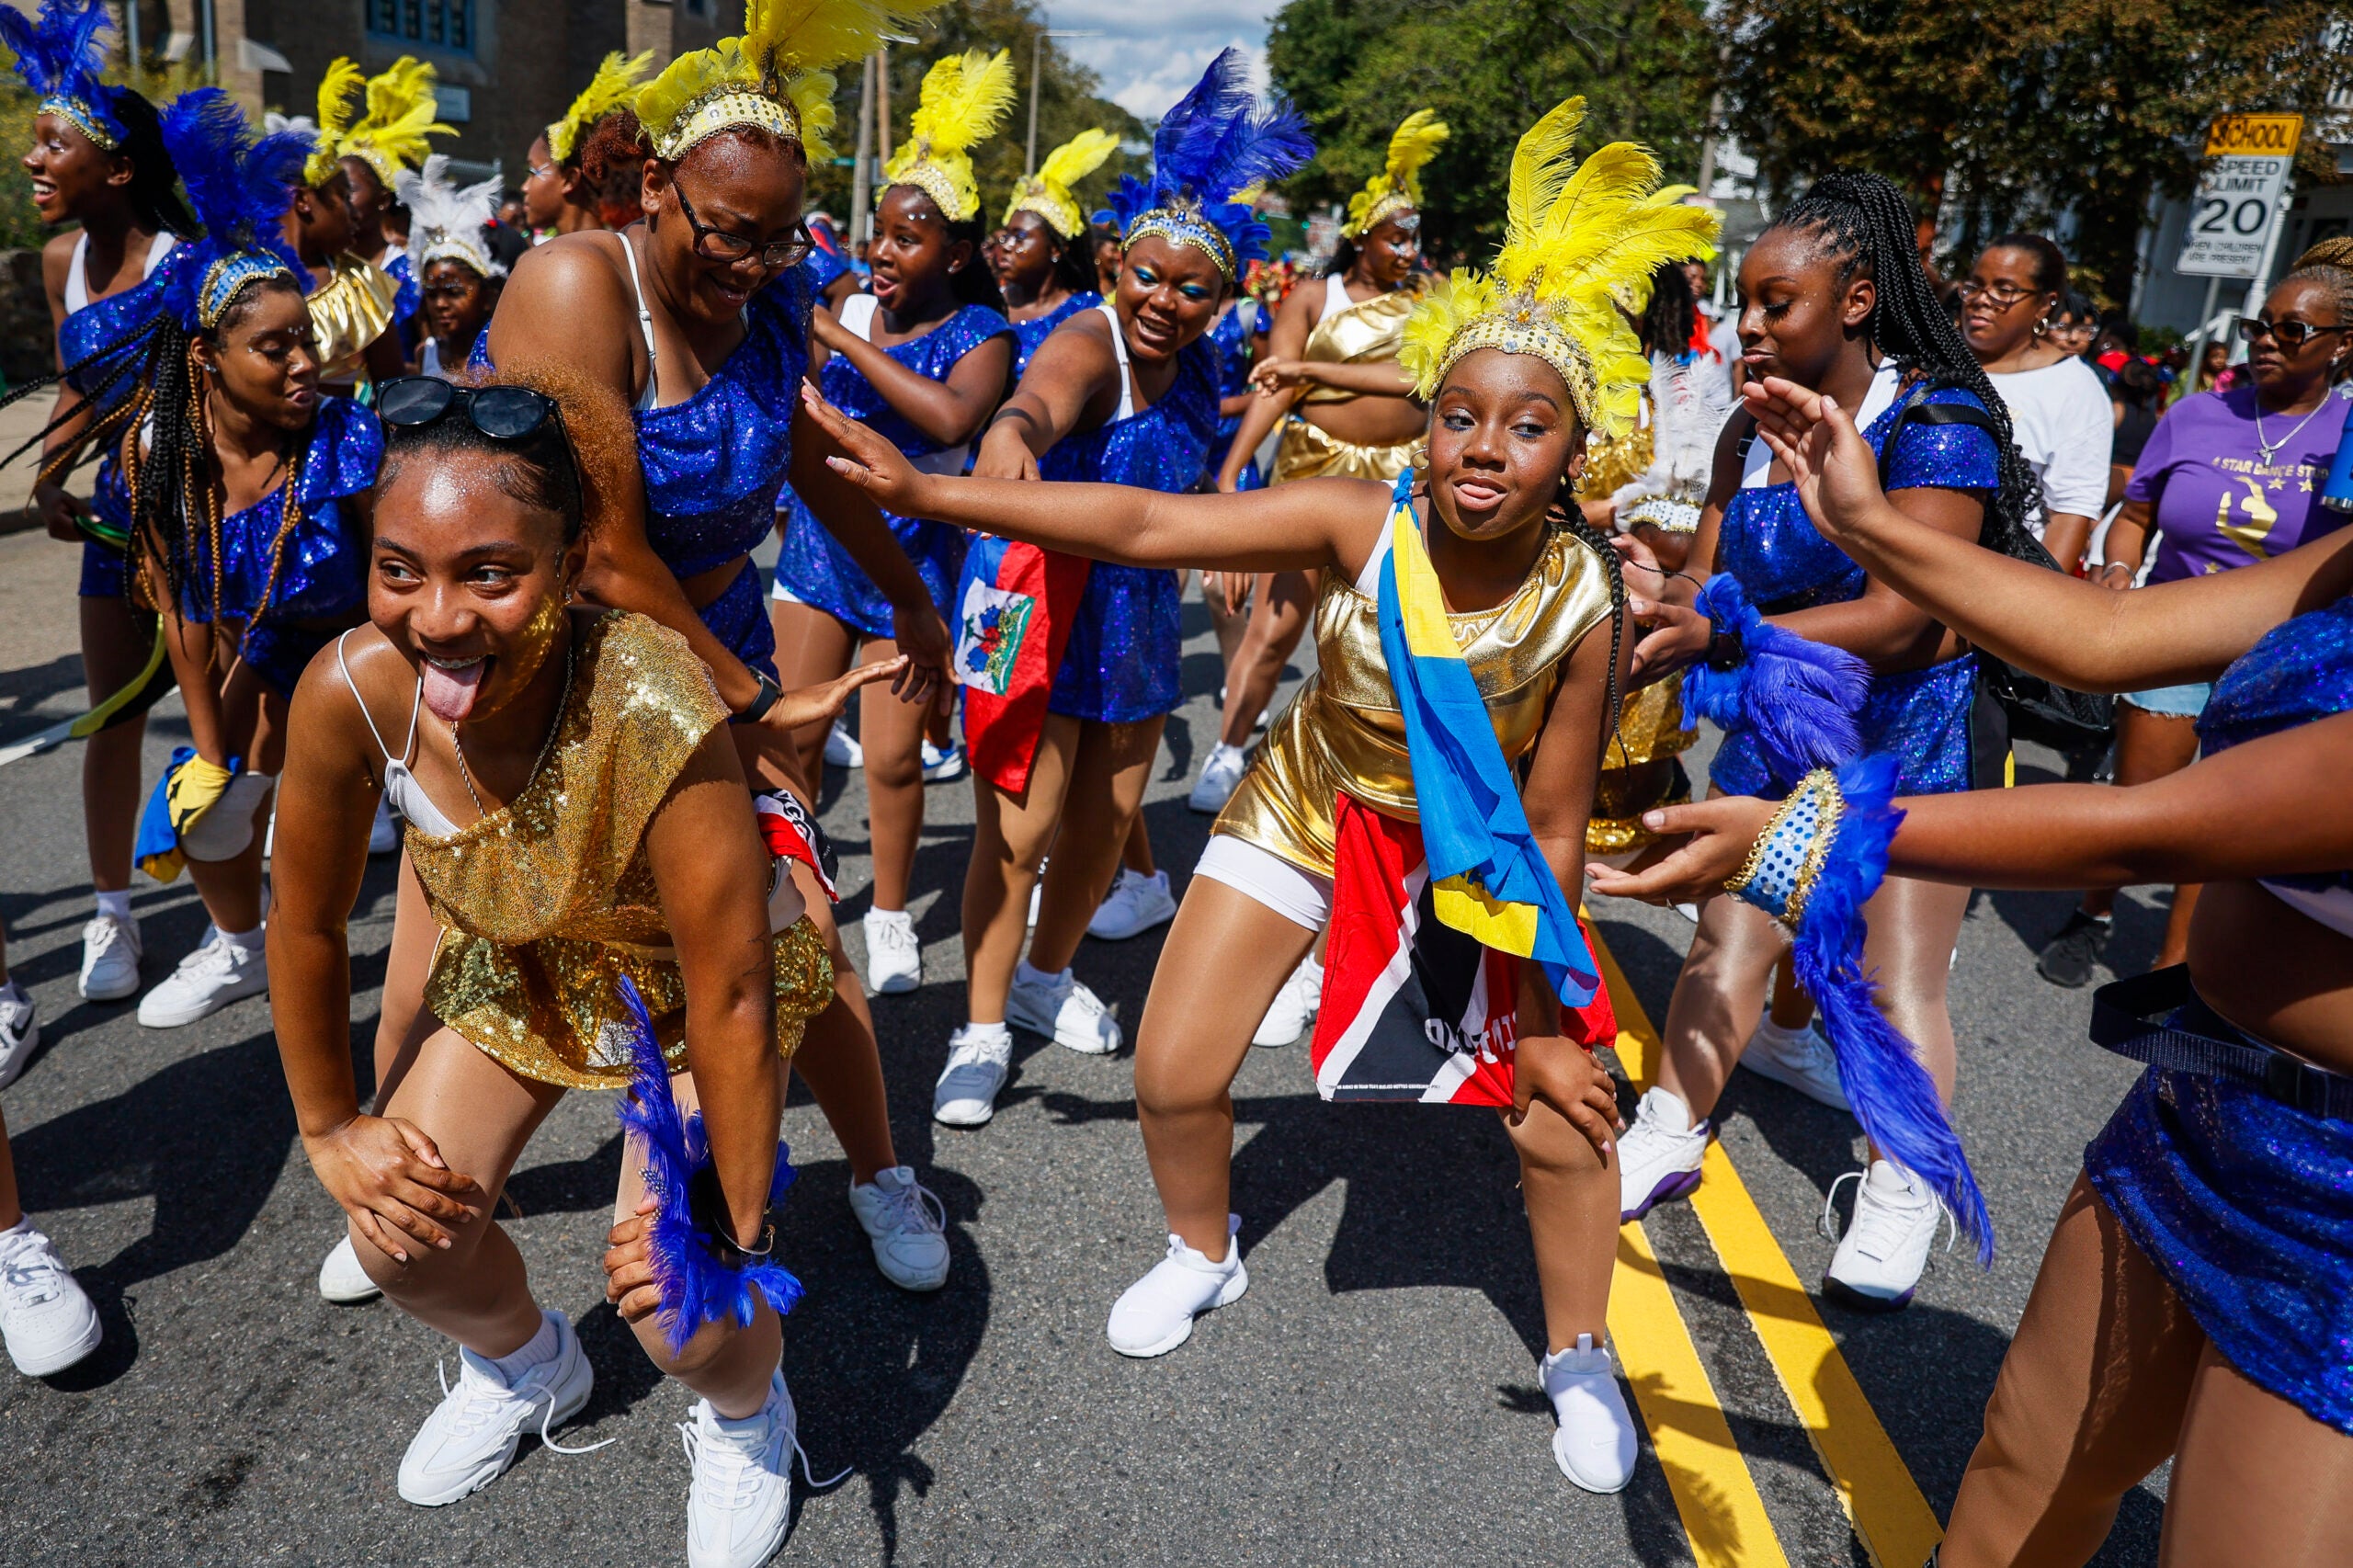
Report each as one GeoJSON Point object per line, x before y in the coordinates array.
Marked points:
{"type": "Point", "coordinates": [698, 1285]}
{"type": "Point", "coordinates": [1797, 697]}
{"type": "Point", "coordinates": [1815, 867]}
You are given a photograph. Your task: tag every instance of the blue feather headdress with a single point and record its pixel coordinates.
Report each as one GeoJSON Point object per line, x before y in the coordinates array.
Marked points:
{"type": "Point", "coordinates": [697, 1287]}
{"type": "Point", "coordinates": [239, 188]}
{"type": "Point", "coordinates": [59, 55]}
{"type": "Point", "coordinates": [1217, 142]}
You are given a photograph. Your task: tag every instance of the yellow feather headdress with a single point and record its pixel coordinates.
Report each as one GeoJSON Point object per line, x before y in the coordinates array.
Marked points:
{"type": "Point", "coordinates": [1398, 187]}
{"type": "Point", "coordinates": [401, 106]}
{"type": "Point", "coordinates": [964, 97]}
{"type": "Point", "coordinates": [343, 77]}
{"type": "Point", "coordinates": [1572, 237]}
{"type": "Point", "coordinates": [1048, 192]}
{"type": "Point", "coordinates": [776, 77]}
{"type": "Point", "coordinates": [613, 85]}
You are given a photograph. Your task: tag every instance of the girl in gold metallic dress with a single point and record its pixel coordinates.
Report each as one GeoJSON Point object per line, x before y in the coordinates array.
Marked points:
{"type": "Point", "coordinates": [1508, 586]}
{"type": "Point", "coordinates": [577, 816]}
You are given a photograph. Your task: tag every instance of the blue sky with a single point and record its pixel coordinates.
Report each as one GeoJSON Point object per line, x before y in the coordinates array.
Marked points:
{"type": "Point", "coordinates": [1150, 53]}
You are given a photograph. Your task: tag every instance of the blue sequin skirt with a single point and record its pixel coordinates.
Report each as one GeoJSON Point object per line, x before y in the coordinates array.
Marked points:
{"type": "Point", "coordinates": [814, 568]}
{"type": "Point", "coordinates": [2246, 1206]}
{"type": "Point", "coordinates": [739, 618]}
{"type": "Point", "coordinates": [105, 569]}
{"type": "Point", "coordinates": [1123, 659]}
{"type": "Point", "coordinates": [1920, 716]}
{"type": "Point", "coordinates": [280, 654]}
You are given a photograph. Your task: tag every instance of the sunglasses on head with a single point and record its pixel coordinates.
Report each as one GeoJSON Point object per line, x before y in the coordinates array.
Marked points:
{"type": "Point", "coordinates": [502, 413]}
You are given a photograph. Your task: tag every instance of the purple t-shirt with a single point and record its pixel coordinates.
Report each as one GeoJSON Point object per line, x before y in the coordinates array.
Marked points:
{"type": "Point", "coordinates": [2218, 505]}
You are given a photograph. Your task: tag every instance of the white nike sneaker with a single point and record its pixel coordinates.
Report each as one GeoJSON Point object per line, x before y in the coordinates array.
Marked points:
{"type": "Point", "coordinates": [342, 1279]}
{"type": "Point", "coordinates": [1156, 1314]}
{"type": "Point", "coordinates": [1065, 1011]}
{"type": "Point", "coordinates": [1594, 1443]}
{"type": "Point", "coordinates": [1219, 775]}
{"type": "Point", "coordinates": [207, 979]}
{"type": "Point", "coordinates": [471, 1435]}
{"type": "Point", "coordinates": [110, 952]}
{"type": "Point", "coordinates": [978, 1060]}
{"type": "Point", "coordinates": [908, 1228]}
{"type": "Point", "coordinates": [19, 1031]}
{"type": "Point", "coordinates": [1294, 1006]}
{"type": "Point", "coordinates": [1135, 904]}
{"type": "Point", "coordinates": [741, 1497]}
{"type": "Point", "coordinates": [48, 1323]}
{"type": "Point", "coordinates": [1886, 1246]}
{"type": "Point", "coordinates": [893, 953]}
{"type": "Point", "coordinates": [1659, 1154]}
{"type": "Point", "coordinates": [842, 748]}
{"type": "Point", "coordinates": [1798, 1059]}
{"type": "Point", "coordinates": [942, 767]}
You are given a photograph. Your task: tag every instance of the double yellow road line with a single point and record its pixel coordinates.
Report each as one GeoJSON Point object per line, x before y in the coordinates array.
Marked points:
{"type": "Point", "coordinates": [1714, 1494]}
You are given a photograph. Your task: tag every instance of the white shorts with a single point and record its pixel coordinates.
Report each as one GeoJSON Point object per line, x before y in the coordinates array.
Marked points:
{"type": "Point", "coordinates": [1300, 897]}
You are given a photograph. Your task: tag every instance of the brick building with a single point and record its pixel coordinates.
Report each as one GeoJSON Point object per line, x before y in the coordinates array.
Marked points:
{"type": "Point", "coordinates": [507, 67]}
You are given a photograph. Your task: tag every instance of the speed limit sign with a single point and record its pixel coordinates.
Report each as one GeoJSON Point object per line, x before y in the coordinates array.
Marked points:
{"type": "Point", "coordinates": [2248, 159]}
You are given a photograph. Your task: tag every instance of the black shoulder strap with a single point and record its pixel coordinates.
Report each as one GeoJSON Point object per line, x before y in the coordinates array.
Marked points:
{"type": "Point", "coordinates": [1917, 407]}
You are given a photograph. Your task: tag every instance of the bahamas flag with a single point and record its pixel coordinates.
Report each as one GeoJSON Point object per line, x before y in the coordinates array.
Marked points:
{"type": "Point", "coordinates": [1012, 621]}
{"type": "Point", "coordinates": [1489, 878]}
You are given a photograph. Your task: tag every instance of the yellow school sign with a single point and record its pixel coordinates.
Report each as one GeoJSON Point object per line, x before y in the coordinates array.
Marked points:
{"type": "Point", "coordinates": [2254, 135]}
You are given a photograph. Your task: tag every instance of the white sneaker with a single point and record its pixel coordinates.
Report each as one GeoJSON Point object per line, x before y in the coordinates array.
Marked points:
{"type": "Point", "coordinates": [207, 979]}
{"type": "Point", "coordinates": [342, 1279]}
{"type": "Point", "coordinates": [1594, 1443]}
{"type": "Point", "coordinates": [1220, 773]}
{"type": "Point", "coordinates": [1798, 1059]}
{"type": "Point", "coordinates": [1135, 904]}
{"type": "Point", "coordinates": [942, 767]}
{"type": "Point", "coordinates": [383, 834]}
{"type": "Point", "coordinates": [471, 1434]}
{"type": "Point", "coordinates": [110, 950]}
{"type": "Point", "coordinates": [842, 748]}
{"type": "Point", "coordinates": [978, 1060]}
{"type": "Point", "coordinates": [908, 1227]}
{"type": "Point", "coordinates": [1659, 1156]}
{"type": "Point", "coordinates": [1156, 1314]}
{"type": "Point", "coordinates": [1065, 1011]}
{"type": "Point", "coordinates": [741, 1498]}
{"type": "Point", "coordinates": [1878, 1259]}
{"type": "Point", "coordinates": [19, 1031]}
{"type": "Point", "coordinates": [1294, 1006]}
{"type": "Point", "coordinates": [894, 954]}
{"type": "Point", "coordinates": [47, 1320]}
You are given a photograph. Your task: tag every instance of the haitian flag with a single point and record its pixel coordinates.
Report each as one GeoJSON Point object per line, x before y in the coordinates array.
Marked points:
{"type": "Point", "coordinates": [1414, 1009]}
{"type": "Point", "coordinates": [1013, 622]}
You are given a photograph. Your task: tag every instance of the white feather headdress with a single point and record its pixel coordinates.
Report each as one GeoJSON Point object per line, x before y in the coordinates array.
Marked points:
{"type": "Point", "coordinates": [447, 221]}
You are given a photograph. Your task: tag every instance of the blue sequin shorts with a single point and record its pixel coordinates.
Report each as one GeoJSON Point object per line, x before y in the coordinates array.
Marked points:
{"type": "Point", "coordinates": [280, 654]}
{"type": "Point", "coordinates": [739, 618]}
{"type": "Point", "coordinates": [2246, 1205]}
{"type": "Point", "coordinates": [1922, 716]}
{"type": "Point", "coordinates": [106, 571]}
{"type": "Point", "coordinates": [1124, 657]}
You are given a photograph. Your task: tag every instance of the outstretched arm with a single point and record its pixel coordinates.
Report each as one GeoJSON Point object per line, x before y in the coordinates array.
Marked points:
{"type": "Point", "coordinates": [2073, 632]}
{"type": "Point", "coordinates": [1286, 339]}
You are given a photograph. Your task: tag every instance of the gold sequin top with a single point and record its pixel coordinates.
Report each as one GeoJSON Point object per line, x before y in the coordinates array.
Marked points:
{"type": "Point", "coordinates": [349, 311]}
{"type": "Point", "coordinates": [546, 903]}
{"type": "Point", "coordinates": [1365, 332]}
{"type": "Point", "coordinates": [1343, 731]}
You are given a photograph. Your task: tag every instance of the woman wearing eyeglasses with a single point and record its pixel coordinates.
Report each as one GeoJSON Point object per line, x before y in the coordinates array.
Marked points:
{"type": "Point", "coordinates": [2060, 414]}
{"type": "Point", "coordinates": [698, 316]}
{"type": "Point", "coordinates": [2227, 478]}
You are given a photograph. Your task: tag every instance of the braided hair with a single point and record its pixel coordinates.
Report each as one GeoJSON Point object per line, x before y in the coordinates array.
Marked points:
{"type": "Point", "coordinates": [1667, 322]}
{"type": "Point", "coordinates": [1862, 222]}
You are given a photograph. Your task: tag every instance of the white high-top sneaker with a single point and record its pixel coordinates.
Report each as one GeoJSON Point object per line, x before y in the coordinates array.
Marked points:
{"type": "Point", "coordinates": [1659, 1154]}
{"type": "Point", "coordinates": [1886, 1246]}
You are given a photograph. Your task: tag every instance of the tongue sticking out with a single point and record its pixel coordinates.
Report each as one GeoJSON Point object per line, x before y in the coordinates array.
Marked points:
{"type": "Point", "coordinates": [451, 693]}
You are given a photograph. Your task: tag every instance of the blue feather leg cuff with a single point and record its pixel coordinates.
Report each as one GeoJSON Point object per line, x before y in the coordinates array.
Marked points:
{"type": "Point", "coordinates": [1798, 698]}
{"type": "Point", "coordinates": [1814, 867]}
{"type": "Point", "coordinates": [698, 1286]}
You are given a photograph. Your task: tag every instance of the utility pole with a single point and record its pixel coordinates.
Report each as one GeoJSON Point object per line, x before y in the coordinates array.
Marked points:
{"type": "Point", "coordinates": [861, 168]}
{"type": "Point", "coordinates": [882, 110]}
{"type": "Point", "coordinates": [1037, 49]}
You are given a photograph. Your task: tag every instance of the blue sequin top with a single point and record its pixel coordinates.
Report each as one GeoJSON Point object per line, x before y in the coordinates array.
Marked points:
{"type": "Point", "coordinates": [815, 570]}
{"type": "Point", "coordinates": [1029, 335]}
{"type": "Point", "coordinates": [112, 328]}
{"type": "Point", "coordinates": [824, 266]}
{"type": "Point", "coordinates": [1767, 542]}
{"type": "Point", "coordinates": [2302, 670]}
{"type": "Point", "coordinates": [406, 297]}
{"type": "Point", "coordinates": [323, 568]}
{"type": "Point", "coordinates": [1233, 346]}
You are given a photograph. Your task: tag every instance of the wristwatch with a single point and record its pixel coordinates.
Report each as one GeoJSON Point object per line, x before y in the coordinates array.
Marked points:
{"type": "Point", "coordinates": [757, 708]}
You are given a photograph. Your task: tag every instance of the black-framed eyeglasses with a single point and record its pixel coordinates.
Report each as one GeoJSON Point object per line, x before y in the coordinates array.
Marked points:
{"type": "Point", "coordinates": [2004, 295]}
{"type": "Point", "coordinates": [718, 245]}
{"type": "Point", "coordinates": [2291, 335]}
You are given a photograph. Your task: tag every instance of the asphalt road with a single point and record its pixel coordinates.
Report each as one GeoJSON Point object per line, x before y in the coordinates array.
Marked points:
{"type": "Point", "coordinates": [1372, 1400]}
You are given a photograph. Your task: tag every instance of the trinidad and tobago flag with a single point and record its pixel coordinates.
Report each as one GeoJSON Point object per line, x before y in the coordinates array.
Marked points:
{"type": "Point", "coordinates": [1414, 1009]}
{"type": "Point", "coordinates": [1012, 621]}
{"type": "Point", "coordinates": [792, 833]}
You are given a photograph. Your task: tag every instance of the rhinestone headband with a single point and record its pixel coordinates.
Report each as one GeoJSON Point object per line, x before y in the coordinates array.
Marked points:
{"type": "Point", "coordinates": [1062, 217]}
{"type": "Point", "coordinates": [1388, 206]}
{"type": "Point", "coordinates": [86, 121]}
{"type": "Point", "coordinates": [724, 109]}
{"type": "Point", "coordinates": [453, 247]}
{"type": "Point", "coordinates": [938, 184]}
{"type": "Point", "coordinates": [1520, 327]}
{"type": "Point", "coordinates": [230, 276]}
{"type": "Point", "coordinates": [1184, 225]}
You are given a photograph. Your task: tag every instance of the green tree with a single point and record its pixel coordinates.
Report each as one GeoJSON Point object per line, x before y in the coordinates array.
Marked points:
{"type": "Point", "coordinates": [1489, 68]}
{"type": "Point", "coordinates": [2010, 113]}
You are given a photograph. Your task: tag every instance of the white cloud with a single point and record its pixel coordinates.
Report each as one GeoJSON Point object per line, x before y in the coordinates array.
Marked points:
{"type": "Point", "coordinates": [1148, 55]}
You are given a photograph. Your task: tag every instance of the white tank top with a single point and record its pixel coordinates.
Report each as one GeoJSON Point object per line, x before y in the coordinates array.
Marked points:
{"type": "Point", "coordinates": [644, 321]}
{"type": "Point", "coordinates": [77, 271]}
{"type": "Point", "coordinates": [1127, 409]}
{"type": "Point", "coordinates": [1336, 298]}
{"type": "Point", "coordinates": [402, 790]}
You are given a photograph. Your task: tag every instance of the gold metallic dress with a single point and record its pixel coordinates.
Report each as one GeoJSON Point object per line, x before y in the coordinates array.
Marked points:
{"type": "Point", "coordinates": [349, 311]}
{"type": "Point", "coordinates": [1365, 332]}
{"type": "Point", "coordinates": [1650, 730]}
{"type": "Point", "coordinates": [1344, 731]}
{"type": "Point", "coordinates": [545, 904]}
